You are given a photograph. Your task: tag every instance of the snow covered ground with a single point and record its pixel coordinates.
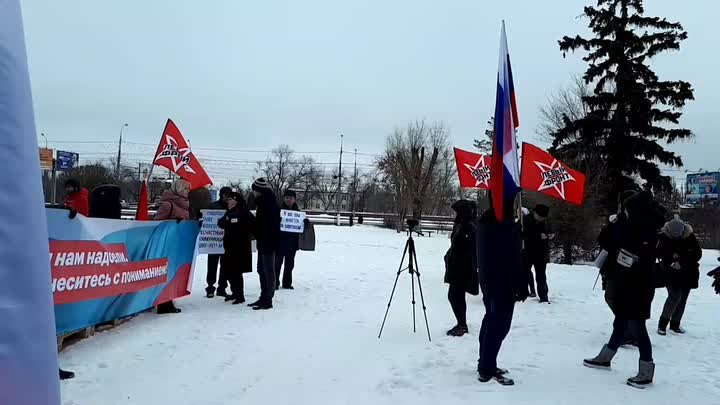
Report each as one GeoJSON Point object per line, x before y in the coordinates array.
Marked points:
{"type": "Point", "coordinates": [319, 345]}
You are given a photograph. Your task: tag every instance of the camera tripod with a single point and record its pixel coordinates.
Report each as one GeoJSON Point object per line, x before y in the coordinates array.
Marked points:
{"type": "Point", "coordinates": [412, 269]}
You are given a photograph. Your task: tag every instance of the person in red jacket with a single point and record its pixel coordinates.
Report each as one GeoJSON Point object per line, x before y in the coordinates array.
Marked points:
{"type": "Point", "coordinates": [76, 197]}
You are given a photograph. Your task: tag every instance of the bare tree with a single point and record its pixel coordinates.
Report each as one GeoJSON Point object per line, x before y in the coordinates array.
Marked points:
{"type": "Point", "coordinates": [409, 165]}
{"type": "Point", "coordinates": [283, 170]}
{"type": "Point", "coordinates": [565, 105]}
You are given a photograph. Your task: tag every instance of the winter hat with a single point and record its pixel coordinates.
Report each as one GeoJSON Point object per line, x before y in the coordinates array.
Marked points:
{"type": "Point", "coordinates": [73, 183]}
{"type": "Point", "coordinates": [225, 191]}
{"type": "Point", "coordinates": [290, 193]}
{"type": "Point", "coordinates": [675, 228]}
{"type": "Point", "coordinates": [542, 210]}
{"type": "Point", "coordinates": [466, 210]}
{"type": "Point", "coordinates": [260, 185]}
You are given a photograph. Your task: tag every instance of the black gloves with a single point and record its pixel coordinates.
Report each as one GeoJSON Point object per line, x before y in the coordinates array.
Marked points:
{"type": "Point", "coordinates": [72, 214]}
{"type": "Point", "coordinates": [716, 275]}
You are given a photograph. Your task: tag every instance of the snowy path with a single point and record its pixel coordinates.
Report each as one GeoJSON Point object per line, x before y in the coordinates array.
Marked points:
{"type": "Point", "coordinates": [320, 346]}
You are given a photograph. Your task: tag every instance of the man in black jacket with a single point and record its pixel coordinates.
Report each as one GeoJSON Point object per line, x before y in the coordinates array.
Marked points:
{"type": "Point", "coordinates": [537, 235]}
{"type": "Point", "coordinates": [287, 246]}
{"type": "Point", "coordinates": [503, 283]}
{"type": "Point", "coordinates": [213, 260]}
{"type": "Point", "coordinates": [267, 233]}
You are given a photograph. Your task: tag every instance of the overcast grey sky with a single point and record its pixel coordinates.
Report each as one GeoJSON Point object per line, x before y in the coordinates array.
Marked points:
{"type": "Point", "coordinates": [256, 74]}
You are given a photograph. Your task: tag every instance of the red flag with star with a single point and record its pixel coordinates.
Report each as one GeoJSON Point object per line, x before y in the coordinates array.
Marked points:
{"type": "Point", "coordinates": [543, 173]}
{"type": "Point", "coordinates": [473, 169]}
{"type": "Point", "coordinates": [173, 153]}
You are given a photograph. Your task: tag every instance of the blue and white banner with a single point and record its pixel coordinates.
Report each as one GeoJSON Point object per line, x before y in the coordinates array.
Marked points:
{"type": "Point", "coordinates": [106, 269]}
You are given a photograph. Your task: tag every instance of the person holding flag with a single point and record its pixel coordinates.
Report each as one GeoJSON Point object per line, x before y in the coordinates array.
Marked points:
{"type": "Point", "coordinates": [499, 241]}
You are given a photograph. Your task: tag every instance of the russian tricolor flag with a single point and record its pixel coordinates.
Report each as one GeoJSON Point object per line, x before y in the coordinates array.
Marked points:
{"type": "Point", "coordinates": [504, 171]}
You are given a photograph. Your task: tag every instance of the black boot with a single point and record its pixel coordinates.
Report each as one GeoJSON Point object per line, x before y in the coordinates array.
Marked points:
{"type": "Point", "coordinates": [66, 375]}
{"type": "Point", "coordinates": [458, 330]}
{"type": "Point", "coordinates": [221, 293]}
{"type": "Point", "coordinates": [229, 298]}
{"type": "Point", "coordinates": [239, 300]}
{"type": "Point", "coordinates": [675, 327]}
{"type": "Point", "coordinates": [256, 303]}
{"type": "Point", "coordinates": [263, 306]}
{"type": "Point", "coordinates": [662, 326]}
{"type": "Point", "coordinates": [168, 308]}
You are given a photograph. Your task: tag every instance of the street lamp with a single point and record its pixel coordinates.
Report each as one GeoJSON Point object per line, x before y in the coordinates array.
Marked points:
{"type": "Point", "coordinates": [117, 169]}
{"type": "Point", "coordinates": [46, 140]}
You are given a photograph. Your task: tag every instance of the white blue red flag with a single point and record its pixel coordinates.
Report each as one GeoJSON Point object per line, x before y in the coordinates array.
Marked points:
{"type": "Point", "coordinates": [504, 170]}
{"type": "Point", "coordinates": [28, 348]}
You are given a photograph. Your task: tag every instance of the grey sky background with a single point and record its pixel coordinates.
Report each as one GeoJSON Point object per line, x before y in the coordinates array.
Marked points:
{"type": "Point", "coordinates": [252, 75]}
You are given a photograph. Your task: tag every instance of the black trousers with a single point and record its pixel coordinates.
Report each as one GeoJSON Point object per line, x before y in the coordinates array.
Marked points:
{"type": "Point", "coordinates": [266, 271]}
{"type": "Point", "coordinates": [289, 260]}
{"type": "Point", "coordinates": [495, 327]}
{"type": "Point", "coordinates": [456, 296]}
{"type": "Point", "coordinates": [212, 270]}
{"type": "Point", "coordinates": [638, 330]}
{"type": "Point", "coordinates": [675, 304]}
{"type": "Point", "coordinates": [540, 274]}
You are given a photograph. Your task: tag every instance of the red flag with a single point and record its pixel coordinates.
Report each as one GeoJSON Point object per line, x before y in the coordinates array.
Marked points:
{"type": "Point", "coordinates": [142, 208]}
{"type": "Point", "coordinates": [542, 172]}
{"type": "Point", "coordinates": [173, 153]}
{"type": "Point", "coordinates": [473, 169]}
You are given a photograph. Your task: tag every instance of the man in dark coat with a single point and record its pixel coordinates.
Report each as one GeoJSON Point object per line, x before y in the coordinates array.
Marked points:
{"type": "Point", "coordinates": [238, 224]}
{"type": "Point", "coordinates": [631, 245]}
{"type": "Point", "coordinates": [213, 260]}
{"type": "Point", "coordinates": [461, 263]}
{"type": "Point", "coordinates": [537, 236]}
{"type": "Point", "coordinates": [502, 282]}
{"type": "Point", "coordinates": [288, 245]}
{"type": "Point", "coordinates": [267, 233]}
{"type": "Point", "coordinates": [680, 253]}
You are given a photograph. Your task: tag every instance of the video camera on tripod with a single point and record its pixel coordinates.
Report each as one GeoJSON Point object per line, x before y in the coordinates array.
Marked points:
{"type": "Point", "coordinates": [412, 269]}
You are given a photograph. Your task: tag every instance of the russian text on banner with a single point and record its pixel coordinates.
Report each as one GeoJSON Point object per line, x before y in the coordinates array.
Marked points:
{"type": "Point", "coordinates": [104, 270]}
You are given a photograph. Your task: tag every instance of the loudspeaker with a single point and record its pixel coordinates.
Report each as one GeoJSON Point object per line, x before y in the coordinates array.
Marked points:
{"type": "Point", "coordinates": [105, 202]}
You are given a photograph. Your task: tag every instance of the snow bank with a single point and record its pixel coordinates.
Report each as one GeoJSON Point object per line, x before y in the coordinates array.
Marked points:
{"type": "Point", "coordinates": [320, 346]}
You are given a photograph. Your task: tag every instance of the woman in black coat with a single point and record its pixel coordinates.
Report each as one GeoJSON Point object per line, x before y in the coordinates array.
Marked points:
{"type": "Point", "coordinates": [238, 223]}
{"type": "Point", "coordinates": [461, 264]}
{"type": "Point", "coordinates": [631, 244]}
{"type": "Point", "coordinates": [680, 253]}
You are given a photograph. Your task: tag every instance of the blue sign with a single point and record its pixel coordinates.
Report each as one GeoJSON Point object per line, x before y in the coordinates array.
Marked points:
{"type": "Point", "coordinates": [66, 160]}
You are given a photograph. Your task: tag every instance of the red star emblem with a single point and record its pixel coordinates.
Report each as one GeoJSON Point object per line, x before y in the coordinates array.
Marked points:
{"type": "Point", "coordinates": [480, 172]}
{"type": "Point", "coordinates": [179, 157]}
{"type": "Point", "coordinates": [554, 176]}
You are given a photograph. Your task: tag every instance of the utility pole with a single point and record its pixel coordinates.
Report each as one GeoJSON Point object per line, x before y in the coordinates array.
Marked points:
{"type": "Point", "coordinates": [355, 174]}
{"type": "Point", "coordinates": [117, 169]}
{"type": "Point", "coordinates": [339, 190]}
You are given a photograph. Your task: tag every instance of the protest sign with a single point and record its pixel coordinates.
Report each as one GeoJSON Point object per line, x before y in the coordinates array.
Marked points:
{"type": "Point", "coordinates": [210, 240]}
{"type": "Point", "coordinates": [292, 221]}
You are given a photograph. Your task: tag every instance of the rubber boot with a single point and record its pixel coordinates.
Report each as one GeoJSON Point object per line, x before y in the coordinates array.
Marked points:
{"type": "Point", "coordinates": [602, 360]}
{"type": "Point", "coordinates": [646, 372]}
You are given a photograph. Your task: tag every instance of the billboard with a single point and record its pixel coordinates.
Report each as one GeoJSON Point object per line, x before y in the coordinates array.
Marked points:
{"type": "Point", "coordinates": [46, 158]}
{"type": "Point", "coordinates": [702, 186]}
{"type": "Point", "coordinates": [66, 160]}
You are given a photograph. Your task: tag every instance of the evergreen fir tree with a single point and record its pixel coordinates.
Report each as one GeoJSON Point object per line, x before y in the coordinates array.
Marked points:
{"type": "Point", "coordinates": [632, 112]}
